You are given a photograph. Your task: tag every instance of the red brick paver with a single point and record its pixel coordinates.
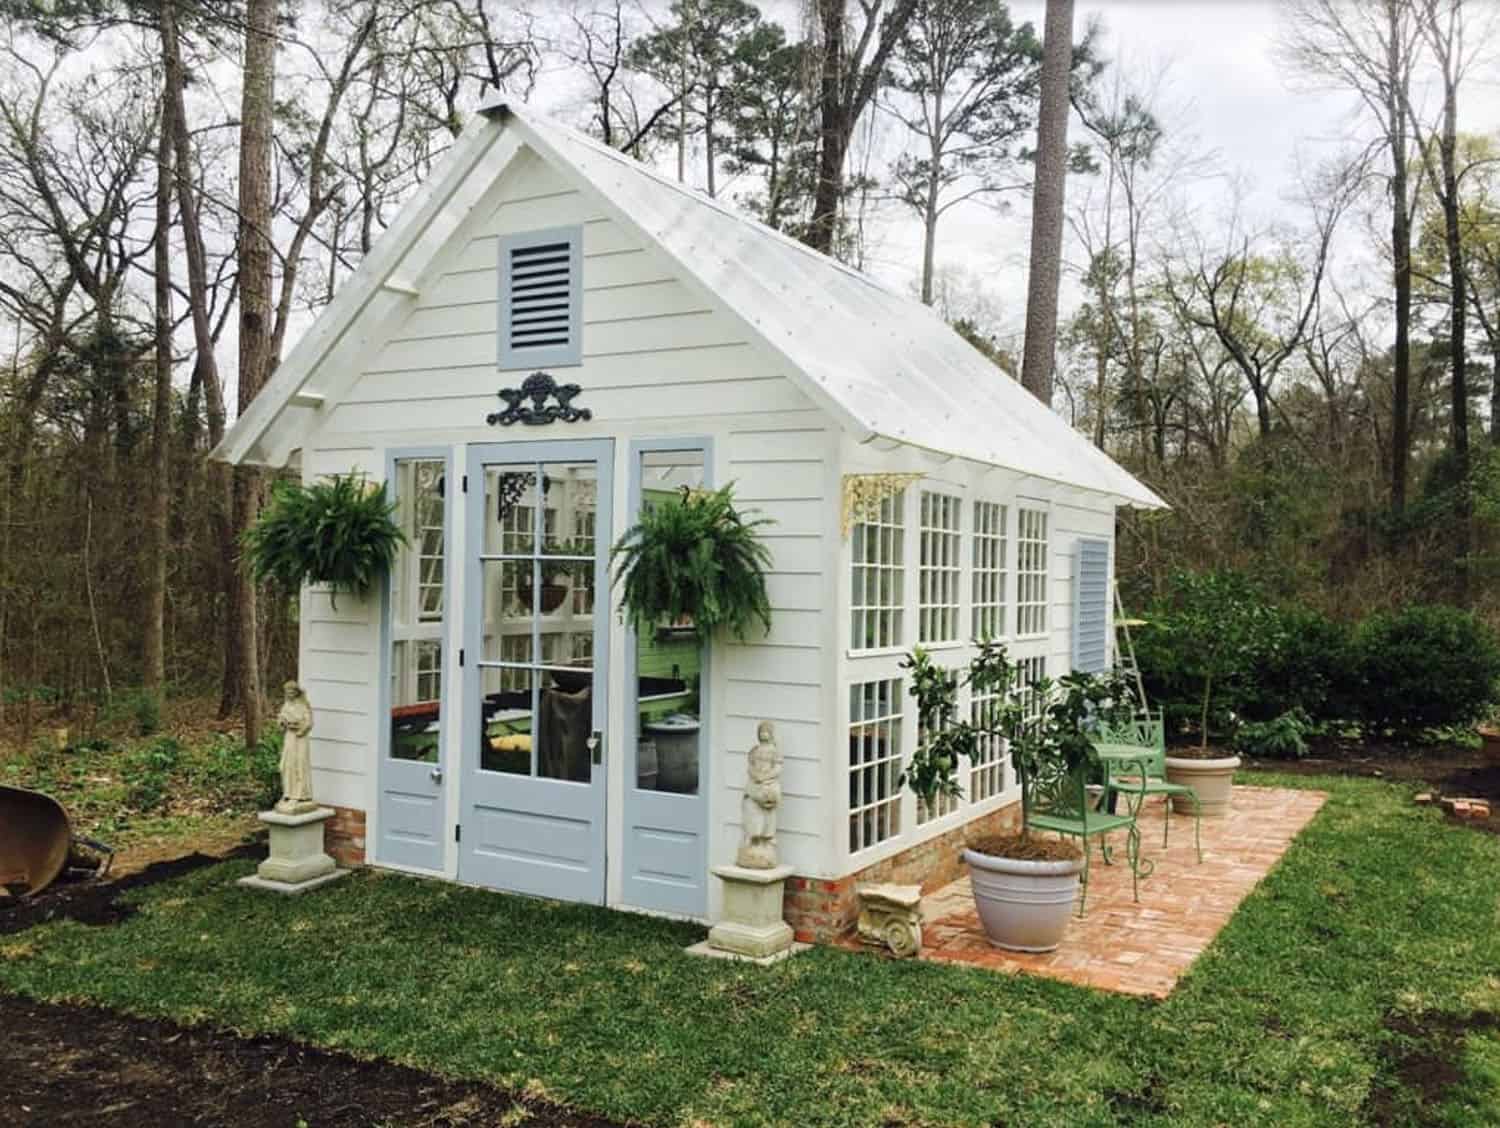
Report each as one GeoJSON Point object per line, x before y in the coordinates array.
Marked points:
{"type": "Point", "coordinates": [1141, 948]}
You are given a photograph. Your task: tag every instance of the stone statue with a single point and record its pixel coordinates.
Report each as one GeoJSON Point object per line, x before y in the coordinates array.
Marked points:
{"type": "Point", "coordinates": [761, 799]}
{"type": "Point", "coordinates": [296, 722]}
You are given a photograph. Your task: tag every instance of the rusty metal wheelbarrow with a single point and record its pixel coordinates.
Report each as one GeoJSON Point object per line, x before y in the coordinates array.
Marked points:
{"type": "Point", "coordinates": [37, 842]}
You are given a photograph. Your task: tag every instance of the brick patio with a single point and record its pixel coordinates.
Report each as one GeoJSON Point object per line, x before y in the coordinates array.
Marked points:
{"type": "Point", "coordinates": [1142, 949]}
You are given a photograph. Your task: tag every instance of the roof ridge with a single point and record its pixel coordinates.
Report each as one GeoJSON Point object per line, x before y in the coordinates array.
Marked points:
{"type": "Point", "coordinates": [697, 195]}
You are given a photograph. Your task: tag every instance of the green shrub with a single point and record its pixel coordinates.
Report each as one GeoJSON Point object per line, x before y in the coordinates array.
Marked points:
{"type": "Point", "coordinates": [1424, 667]}
{"type": "Point", "coordinates": [1304, 661]}
{"type": "Point", "coordinates": [140, 707]}
{"type": "Point", "coordinates": [1283, 738]}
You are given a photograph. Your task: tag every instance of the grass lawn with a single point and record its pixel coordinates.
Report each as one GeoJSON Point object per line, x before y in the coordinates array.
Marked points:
{"type": "Point", "coordinates": [1366, 965]}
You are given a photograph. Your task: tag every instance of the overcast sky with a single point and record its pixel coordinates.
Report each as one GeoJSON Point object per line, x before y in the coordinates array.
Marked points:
{"type": "Point", "coordinates": [1223, 85]}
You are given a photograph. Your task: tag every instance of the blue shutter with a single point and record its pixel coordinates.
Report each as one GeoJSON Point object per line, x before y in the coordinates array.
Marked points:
{"type": "Point", "coordinates": [1091, 606]}
{"type": "Point", "coordinates": [541, 298]}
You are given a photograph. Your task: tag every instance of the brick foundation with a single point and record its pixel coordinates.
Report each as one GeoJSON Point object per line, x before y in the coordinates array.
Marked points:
{"type": "Point", "coordinates": [821, 909]}
{"type": "Point", "coordinates": [344, 836]}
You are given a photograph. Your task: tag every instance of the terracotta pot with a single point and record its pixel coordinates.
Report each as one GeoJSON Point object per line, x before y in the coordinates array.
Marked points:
{"type": "Point", "coordinates": [1024, 906]}
{"type": "Point", "coordinates": [1213, 780]}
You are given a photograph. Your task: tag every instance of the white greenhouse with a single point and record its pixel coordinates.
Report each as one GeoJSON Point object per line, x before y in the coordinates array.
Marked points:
{"type": "Point", "coordinates": [489, 718]}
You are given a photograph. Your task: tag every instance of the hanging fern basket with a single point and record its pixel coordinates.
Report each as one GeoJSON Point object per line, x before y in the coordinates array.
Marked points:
{"type": "Point", "coordinates": [695, 560]}
{"type": "Point", "coordinates": [338, 532]}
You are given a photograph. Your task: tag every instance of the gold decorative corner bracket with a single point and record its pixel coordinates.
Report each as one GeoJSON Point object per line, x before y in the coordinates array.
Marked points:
{"type": "Point", "coordinates": [863, 494]}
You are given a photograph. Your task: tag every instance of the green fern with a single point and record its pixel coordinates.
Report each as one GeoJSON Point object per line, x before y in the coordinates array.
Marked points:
{"type": "Point", "coordinates": [337, 532]}
{"type": "Point", "coordinates": [694, 557]}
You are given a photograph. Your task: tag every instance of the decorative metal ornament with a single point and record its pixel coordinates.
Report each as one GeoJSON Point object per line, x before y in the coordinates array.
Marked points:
{"type": "Point", "coordinates": [863, 494]}
{"type": "Point", "coordinates": [538, 388]}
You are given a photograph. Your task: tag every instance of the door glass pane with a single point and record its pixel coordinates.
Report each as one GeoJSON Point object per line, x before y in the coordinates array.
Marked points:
{"type": "Point", "coordinates": [668, 657]}
{"type": "Point", "coordinates": [537, 607]}
{"type": "Point", "coordinates": [506, 696]}
{"type": "Point", "coordinates": [565, 721]}
{"type": "Point", "coordinates": [418, 583]}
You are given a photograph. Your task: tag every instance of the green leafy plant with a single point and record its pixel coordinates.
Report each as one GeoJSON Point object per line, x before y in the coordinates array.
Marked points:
{"type": "Point", "coordinates": [1424, 667]}
{"type": "Point", "coordinates": [695, 558]}
{"type": "Point", "coordinates": [338, 532]}
{"type": "Point", "coordinates": [1282, 738]}
{"type": "Point", "coordinates": [931, 770]}
{"type": "Point", "coordinates": [1048, 726]}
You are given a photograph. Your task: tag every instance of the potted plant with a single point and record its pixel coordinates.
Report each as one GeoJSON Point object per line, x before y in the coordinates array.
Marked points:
{"type": "Point", "coordinates": [559, 575]}
{"type": "Point", "coordinates": [1219, 621]}
{"type": "Point", "coordinates": [694, 559]}
{"type": "Point", "coordinates": [1025, 887]}
{"type": "Point", "coordinates": [337, 531]}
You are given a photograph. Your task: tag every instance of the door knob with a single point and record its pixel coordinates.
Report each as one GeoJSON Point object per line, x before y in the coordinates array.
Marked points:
{"type": "Point", "coordinates": [595, 745]}
{"type": "Point", "coordinates": [437, 775]}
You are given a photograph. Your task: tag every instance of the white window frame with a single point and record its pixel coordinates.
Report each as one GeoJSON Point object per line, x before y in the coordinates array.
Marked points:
{"type": "Point", "coordinates": [945, 570]}
{"type": "Point", "coordinates": [1019, 619]}
{"type": "Point", "coordinates": [997, 568]}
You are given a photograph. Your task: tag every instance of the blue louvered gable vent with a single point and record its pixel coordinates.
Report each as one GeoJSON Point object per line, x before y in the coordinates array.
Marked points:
{"type": "Point", "coordinates": [1091, 606]}
{"type": "Point", "coordinates": [541, 292]}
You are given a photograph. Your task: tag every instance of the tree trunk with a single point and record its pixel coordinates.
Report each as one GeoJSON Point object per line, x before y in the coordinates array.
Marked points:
{"type": "Point", "coordinates": [1401, 262]}
{"type": "Point", "coordinates": [256, 312]}
{"type": "Point", "coordinates": [833, 130]}
{"type": "Point", "coordinates": [1047, 202]}
{"type": "Point", "coordinates": [153, 633]}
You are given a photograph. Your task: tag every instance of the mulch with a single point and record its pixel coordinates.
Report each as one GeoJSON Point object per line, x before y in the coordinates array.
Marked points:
{"type": "Point", "coordinates": [87, 1065]}
{"type": "Point", "coordinates": [1449, 770]}
{"type": "Point", "coordinates": [98, 902]}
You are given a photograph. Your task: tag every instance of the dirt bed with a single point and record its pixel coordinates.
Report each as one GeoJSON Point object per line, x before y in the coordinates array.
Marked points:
{"type": "Point", "coordinates": [1453, 771]}
{"type": "Point", "coordinates": [98, 901]}
{"type": "Point", "coordinates": [85, 1065]}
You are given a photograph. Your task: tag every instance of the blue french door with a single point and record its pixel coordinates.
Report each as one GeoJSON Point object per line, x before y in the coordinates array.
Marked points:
{"type": "Point", "coordinates": [536, 643]}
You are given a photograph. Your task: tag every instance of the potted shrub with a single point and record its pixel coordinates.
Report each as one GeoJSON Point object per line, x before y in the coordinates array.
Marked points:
{"type": "Point", "coordinates": [1025, 886]}
{"type": "Point", "coordinates": [1219, 621]}
{"type": "Point", "coordinates": [694, 560]}
{"type": "Point", "coordinates": [337, 531]}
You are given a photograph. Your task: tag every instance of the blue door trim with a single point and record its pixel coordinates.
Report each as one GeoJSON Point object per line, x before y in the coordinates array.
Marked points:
{"type": "Point", "coordinates": [386, 768]}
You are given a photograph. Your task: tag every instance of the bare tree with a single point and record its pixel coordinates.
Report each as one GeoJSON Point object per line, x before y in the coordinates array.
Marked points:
{"type": "Point", "coordinates": [850, 74]}
{"type": "Point", "coordinates": [1372, 49]}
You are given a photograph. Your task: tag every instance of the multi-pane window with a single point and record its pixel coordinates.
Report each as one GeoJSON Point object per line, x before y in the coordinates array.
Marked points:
{"type": "Point", "coordinates": [989, 570]}
{"type": "Point", "coordinates": [938, 577]}
{"type": "Point", "coordinates": [875, 600]}
{"type": "Point", "coordinates": [987, 768]}
{"type": "Point", "coordinates": [1031, 671]}
{"type": "Point", "coordinates": [416, 610]}
{"type": "Point", "coordinates": [1031, 571]}
{"type": "Point", "coordinates": [943, 804]}
{"type": "Point", "coordinates": [874, 762]}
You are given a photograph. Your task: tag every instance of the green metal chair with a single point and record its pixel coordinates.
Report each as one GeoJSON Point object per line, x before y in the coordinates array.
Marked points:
{"type": "Point", "coordinates": [1061, 803]}
{"type": "Point", "coordinates": [1145, 739]}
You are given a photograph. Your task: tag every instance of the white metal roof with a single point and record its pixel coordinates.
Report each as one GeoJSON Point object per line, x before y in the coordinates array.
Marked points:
{"type": "Point", "coordinates": [883, 364]}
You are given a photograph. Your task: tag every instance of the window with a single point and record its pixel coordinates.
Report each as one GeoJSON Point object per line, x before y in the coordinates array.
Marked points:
{"type": "Point", "coordinates": [416, 610]}
{"type": "Point", "coordinates": [1032, 670]}
{"type": "Point", "coordinates": [945, 804]}
{"type": "Point", "coordinates": [1031, 572]}
{"type": "Point", "coordinates": [874, 762]}
{"type": "Point", "coordinates": [875, 602]}
{"type": "Point", "coordinates": [989, 570]}
{"type": "Point", "coordinates": [938, 578]}
{"type": "Point", "coordinates": [987, 769]}
{"type": "Point", "coordinates": [541, 298]}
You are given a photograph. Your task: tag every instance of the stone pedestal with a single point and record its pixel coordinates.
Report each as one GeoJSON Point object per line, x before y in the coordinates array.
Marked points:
{"type": "Point", "coordinates": [752, 924]}
{"type": "Point", "coordinates": [297, 862]}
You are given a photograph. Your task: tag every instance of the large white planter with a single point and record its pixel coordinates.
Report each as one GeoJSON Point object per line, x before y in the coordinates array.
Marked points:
{"type": "Point", "coordinates": [1213, 780]}
{"type": "Point", "coordinates": [1024, 906]}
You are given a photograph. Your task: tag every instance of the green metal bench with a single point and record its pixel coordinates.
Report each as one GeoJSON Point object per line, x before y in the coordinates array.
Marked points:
{"type": "Point", "coordinates": [1145, 739]}
{"type": "Point", "coordinates": [1061, 803]}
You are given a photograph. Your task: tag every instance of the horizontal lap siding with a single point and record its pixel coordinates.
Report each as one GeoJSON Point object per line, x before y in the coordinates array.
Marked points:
{"type": "Point", "coordinates": [339, 648]}
{"type": "Point", "coordinates": [658, 358]}
{"type": "Point", "coordinates": [782, 475]}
